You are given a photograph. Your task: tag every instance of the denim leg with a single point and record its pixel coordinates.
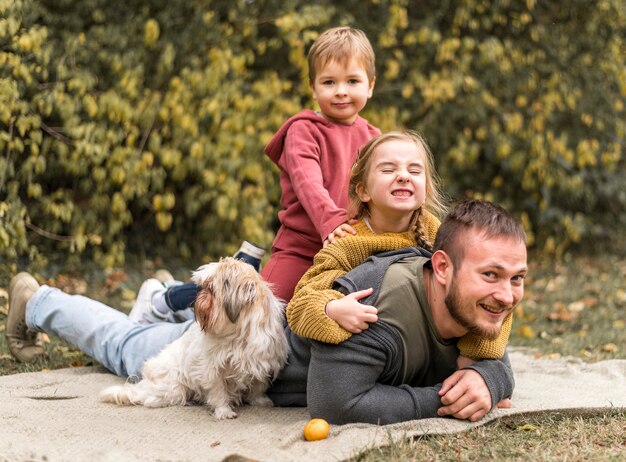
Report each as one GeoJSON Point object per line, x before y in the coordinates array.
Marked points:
{"type": "Point", "coordinates": [182, 296]}
{"type": "Point", "coordinates": [104, 333]}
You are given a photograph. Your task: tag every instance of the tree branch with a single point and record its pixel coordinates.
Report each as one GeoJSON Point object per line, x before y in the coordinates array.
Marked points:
{"type": "Point", "coordinates": [47, 234]}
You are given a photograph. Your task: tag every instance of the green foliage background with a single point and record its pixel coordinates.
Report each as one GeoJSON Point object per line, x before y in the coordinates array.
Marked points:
{"type": "Point", "coordinates": [140, 126]}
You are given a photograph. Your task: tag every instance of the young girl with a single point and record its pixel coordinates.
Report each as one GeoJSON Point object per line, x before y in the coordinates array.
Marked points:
{"type": "Point", "coordinates": [395, 195]}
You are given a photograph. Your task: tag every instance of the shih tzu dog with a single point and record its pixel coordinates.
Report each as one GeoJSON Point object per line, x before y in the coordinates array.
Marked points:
{"type": "Point", "coordinates": [232, 352]}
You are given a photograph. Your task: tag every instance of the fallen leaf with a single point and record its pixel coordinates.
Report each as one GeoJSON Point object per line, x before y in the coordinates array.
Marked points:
{"type": "Point", "coordinates": [526, 331]}
{"type": "Point", "coordinates": [527, 427]}
{"type": "Point", "coordinates": [4, 301]}
{"type": "Point", "coordinates": [609, 348]}
{"type": "Point", "coordinates": [114, 279]}
{"type": "Point", "coordinates": [561, 316]}
{"type": "Point", "coordinates": [69, 284]}
{"type": "Point", "coordinates": [128, 294]}
{"type": "Point", "coordinates": [555, 283]}
{"type": "Point", "coordinates": [576, 307]}
{"type": "Point", "coordinates": [589, 302]}
{"type": "Point", "coordinates": [585, 353]}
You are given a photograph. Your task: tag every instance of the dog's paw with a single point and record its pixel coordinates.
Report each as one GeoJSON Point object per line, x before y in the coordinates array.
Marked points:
{"type": "Point", "coordinates": [224, 412]}
{"type": "Point", "coordinates": [261, 400]}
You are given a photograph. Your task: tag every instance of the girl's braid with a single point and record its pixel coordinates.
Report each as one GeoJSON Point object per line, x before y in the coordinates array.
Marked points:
{"type": "Point", "coordinates": [420, 232]}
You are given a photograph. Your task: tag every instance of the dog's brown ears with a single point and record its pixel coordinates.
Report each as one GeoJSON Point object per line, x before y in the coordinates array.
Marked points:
{"type": "Point", "coordinates": [234, 298]}
{"type": "Point", "coordinates": [237, 297]}
{"type": "Point", "coordinates": [206, 316]}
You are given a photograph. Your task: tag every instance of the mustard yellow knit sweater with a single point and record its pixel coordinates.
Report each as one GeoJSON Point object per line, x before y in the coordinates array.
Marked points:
{"type": "Point", "coordinates": [306, 312]}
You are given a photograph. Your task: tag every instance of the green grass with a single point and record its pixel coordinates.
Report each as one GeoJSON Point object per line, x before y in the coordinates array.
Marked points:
{"type": "Point", "coordinates": [571, 308]}
{"type": "Point", "coordinates": [546, 437]}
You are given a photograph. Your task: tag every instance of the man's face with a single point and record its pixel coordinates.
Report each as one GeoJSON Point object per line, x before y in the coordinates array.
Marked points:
{"type": "Point", "coordinates": [487, 283]}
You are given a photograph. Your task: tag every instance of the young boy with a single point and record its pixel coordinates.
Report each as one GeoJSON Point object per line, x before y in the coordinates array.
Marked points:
{"type": "Point", "coordinates": [314, 151]}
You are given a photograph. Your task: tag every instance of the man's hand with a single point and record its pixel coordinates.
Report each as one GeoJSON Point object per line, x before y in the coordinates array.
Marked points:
{"type": "Point", "coordinates": [350, 314]}
{"type": "Point", "coordinates": [463, 361]}
{"type": "Point", "coordinates": [340, 231]}
{"type": "Point", "coordinates": [465, 396]}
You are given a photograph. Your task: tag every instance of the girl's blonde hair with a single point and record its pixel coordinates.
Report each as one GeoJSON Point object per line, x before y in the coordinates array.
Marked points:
{"type": "Point", "coordinates": [342, 44]}
{"type": "Point", "coordinates": [434, 202]}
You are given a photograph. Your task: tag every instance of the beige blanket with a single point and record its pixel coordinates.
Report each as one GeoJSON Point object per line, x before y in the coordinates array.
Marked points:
{"type": "Point", "coordinates": [56, 416]}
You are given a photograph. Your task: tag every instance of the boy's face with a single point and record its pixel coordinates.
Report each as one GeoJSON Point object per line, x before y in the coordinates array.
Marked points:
{"type": "Point", "coordinates": [342, 90]}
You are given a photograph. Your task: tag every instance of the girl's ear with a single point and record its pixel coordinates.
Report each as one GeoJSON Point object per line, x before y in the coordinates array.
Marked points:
{"type": "Point", "coordinates": [362, 193]}
{"type": "Point", "coordinates": [442, 267]}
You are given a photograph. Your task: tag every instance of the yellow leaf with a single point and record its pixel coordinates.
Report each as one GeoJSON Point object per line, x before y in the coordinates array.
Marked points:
{"type": "Point", "coordinates": [151, 32]}
{"type": "Point", "coordinates": [527, 427]}
{"type": "Point", "coordinates": [127, 294]}
{"type": "Point", "coordinates": [526, 331]}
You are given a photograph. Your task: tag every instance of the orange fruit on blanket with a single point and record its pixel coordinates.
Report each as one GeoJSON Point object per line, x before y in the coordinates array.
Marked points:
{"type": "Point", "coordinates": [316, 429]}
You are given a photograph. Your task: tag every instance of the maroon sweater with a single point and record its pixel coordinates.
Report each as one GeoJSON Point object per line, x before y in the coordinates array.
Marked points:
{"type": "Point", "coordinates": [315, 156]}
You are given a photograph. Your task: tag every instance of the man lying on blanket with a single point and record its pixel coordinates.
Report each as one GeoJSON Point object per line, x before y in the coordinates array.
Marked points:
{"type": "Point", "coordinates": [404, 366]}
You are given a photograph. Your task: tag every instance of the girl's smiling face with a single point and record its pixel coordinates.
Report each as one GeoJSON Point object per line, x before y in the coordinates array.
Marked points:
{"type": "Point", "coordinates": [395, 185]}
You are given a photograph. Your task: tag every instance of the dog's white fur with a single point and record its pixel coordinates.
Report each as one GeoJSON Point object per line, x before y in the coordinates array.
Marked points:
{"type": "Point", "coordinates": [230, 354]}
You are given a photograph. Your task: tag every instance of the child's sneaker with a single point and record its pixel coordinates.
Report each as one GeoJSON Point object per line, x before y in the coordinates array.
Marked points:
{"type": "Point", "coordinates": [143, 310]}
{"type": "Point", "coordinates": [250, 253]}
{"type": "Point", "coordinates": [166, 278]}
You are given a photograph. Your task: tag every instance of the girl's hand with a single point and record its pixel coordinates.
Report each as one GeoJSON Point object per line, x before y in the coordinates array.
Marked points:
{"type": "Point", "coordinates": [340, 231]}
{"type": "Point", "coordinates": [350, 314]}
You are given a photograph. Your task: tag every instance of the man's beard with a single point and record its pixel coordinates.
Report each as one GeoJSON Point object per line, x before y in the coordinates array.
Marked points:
{"type": "Point", "coordinates": [465, 315]}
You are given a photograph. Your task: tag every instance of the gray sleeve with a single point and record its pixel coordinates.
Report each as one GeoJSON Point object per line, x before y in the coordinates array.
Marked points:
{"type": "Point", "coordinates": [498, 375]}
{"type": "Point", "coordinates": [348, 382]}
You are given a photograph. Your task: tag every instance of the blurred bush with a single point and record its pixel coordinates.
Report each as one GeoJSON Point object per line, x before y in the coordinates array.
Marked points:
{"type": "Point", "coordinates": [140, 127]}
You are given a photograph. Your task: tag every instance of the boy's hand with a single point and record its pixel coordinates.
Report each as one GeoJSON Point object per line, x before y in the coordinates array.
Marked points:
{"type": "Point", "coordinates": [340, 231]}
{"type": "Point", "coordinates": [350, 314]}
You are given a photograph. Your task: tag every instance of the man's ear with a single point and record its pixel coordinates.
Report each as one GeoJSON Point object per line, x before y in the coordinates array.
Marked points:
{"type": "Point", "coordinates": [442, 266]}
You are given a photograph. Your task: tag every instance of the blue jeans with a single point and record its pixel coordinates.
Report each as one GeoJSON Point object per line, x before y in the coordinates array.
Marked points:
{"type": "Point", "coordinates": [104, 333]}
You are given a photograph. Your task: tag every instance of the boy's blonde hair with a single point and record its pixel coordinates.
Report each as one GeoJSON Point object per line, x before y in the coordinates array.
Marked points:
{"type": "Point", "coordinates": [434, 201]}
{"type": "Point", "coordinates": [342, 44]}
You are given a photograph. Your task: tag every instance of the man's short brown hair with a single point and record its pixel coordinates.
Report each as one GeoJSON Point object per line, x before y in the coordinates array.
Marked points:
{"type": "Point", "coordinates": [489, 218]}
{"type": "Point", "coordinates": [342, 44]}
